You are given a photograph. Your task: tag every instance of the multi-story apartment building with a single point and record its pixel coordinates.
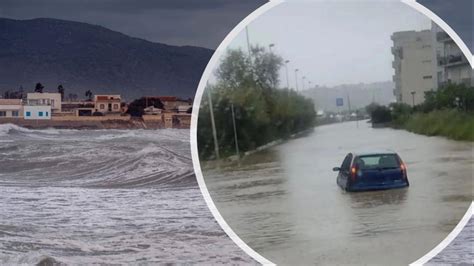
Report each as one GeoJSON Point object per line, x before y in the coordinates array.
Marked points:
{"type": "Point", "coordinates": [451, 64]}
{"type": "Point", "coordinates": [413, 65]}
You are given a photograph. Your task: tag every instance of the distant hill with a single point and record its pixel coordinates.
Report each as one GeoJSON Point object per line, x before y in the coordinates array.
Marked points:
{"type": "Point", "coordinates": [360, 95]}
{"type": "Point", "coordinates": [82, 56]}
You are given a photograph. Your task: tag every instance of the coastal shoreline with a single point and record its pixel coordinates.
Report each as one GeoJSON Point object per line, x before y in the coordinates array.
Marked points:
{"type": "Point", "coordinates": [89, 125]}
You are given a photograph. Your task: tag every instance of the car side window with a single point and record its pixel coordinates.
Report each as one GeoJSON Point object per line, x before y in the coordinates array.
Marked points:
{"type": "Point", "coordinates": [346, 164]}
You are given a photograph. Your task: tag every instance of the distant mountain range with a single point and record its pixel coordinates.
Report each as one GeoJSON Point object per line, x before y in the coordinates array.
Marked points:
{"type": "Point", "coordinates": [359, 95]}
{"type": "Point", "coordinates": [82, 56]}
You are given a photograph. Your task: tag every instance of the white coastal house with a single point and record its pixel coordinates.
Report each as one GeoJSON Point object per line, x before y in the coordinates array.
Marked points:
{"type": "Point", "coordinates": [37, 112]}
{"type": "Point", "coordinates": [11, 108]}
{"type": "Point", "coordinates": [40, 106]}
{"type": "Point", "coordinates": [52, 99]}
{"type": "Point", "coordinates": [106, 104]}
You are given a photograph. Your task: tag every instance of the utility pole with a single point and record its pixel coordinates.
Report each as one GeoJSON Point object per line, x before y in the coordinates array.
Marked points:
{"type": "Point", "coordinates": [235, 131]}
{"type": "Point", "coordinates": [296, 79]}
{"type": "Point", "coordinates": [413, 98]}
{"type": "Point", "coordinates": [287, 78]}
{"type": "Point", "coordinates": [248, 41]}
{"type": "Point", "coordinates": [213, 123]}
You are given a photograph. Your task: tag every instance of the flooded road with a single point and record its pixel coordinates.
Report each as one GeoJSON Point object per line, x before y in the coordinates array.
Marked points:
{"type": "Point", "coordinates": [284, 201]}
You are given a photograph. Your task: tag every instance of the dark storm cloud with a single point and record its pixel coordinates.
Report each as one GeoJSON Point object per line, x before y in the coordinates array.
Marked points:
{"type": "Point", "coordinates": [183, 22]}
{"type": "Point", "coordinates": [458, 14]}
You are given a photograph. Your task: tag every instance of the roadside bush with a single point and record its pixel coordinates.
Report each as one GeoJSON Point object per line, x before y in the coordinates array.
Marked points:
{"type": "Point", "coordinates": [380, 114]}
{"type": "Point", "coordinates": [450, 96]}
{"type": "Point", "coordinates": [449, 123]}
{"type": "Point", "coordinates": [400, 113]}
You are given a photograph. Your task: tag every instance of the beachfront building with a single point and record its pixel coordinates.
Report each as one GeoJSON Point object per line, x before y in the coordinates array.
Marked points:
{"type": "Point", "coordinates": [413, 65]}
{"type": "Point", "coordinates": [172, 103]}
{"type": "Point", "coordinates": [46, 98]}
{"type": "Point", "coordinates": [107, 104]}
{"type": "Point", "coordinates": [37, 112]}
{"type": "Point", "coordinates": [11, 108]}
{"type": "Point", "coordinates": [151, 110]}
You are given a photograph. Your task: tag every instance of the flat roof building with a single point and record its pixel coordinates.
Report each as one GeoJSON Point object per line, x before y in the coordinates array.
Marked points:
{"type": "Point", "coordinates": [413, 65]}
{"type": "Point", "coordinates": [11, 108]}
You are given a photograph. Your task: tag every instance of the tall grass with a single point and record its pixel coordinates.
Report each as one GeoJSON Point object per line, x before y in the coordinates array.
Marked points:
{"type": "Point", "coordinates": [452, 124]}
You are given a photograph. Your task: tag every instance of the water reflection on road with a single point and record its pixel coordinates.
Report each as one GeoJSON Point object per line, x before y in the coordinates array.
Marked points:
{"type": "Point", "coordinates": [284, 202]}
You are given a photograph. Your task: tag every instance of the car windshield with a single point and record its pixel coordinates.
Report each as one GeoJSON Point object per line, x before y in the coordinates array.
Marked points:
{"type": "Point", "coordinates": [377, 161]}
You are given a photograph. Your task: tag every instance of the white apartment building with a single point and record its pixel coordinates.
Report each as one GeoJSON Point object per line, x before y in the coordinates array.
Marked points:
{"type": "Point", "coordinates": [413, 65]}
{"type": "Point", "coordinates": [11, 108]}
{"type": "Point", "coordinates": [46, 98]}
{"type": "Point", "coordinates": [452, 66]}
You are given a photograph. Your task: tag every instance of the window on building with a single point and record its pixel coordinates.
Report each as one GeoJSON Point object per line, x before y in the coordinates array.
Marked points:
{"type": "Point", "coordinates": [15, 113]}
{"type": "Point", "coordinates": [47, 113]}
{"type": "Point", "coordinates": [40, 113]}
{"type": "Point", "coordinates": [28, 113]}
{"type": "Point", "coordinates": [102, 106]}
{"type": "Point", "coordinates": [3, 113]}
{"type": "Point", "coordinates": [116, 106]}
{"type": "Point", "coordinates": [427, 77]}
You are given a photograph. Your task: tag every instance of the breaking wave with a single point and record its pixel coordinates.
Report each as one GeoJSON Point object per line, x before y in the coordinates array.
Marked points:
{"type": "Point", "coordinates": [94, 158]}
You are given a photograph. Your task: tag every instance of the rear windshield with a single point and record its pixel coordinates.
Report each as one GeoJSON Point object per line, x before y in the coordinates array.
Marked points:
{"type": "Point", "coordinates": [378, 161]}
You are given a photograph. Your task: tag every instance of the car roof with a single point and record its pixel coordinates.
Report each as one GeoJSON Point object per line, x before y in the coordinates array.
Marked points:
{"type": "Point", "coordinates": [373, 152]}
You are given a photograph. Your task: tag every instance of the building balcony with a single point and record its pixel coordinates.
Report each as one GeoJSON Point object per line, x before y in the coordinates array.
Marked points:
{"type": "Point", "coordinates": [443, 37]}
{"type": "Point", "coordinates": [36, 102]}
{"type": "Point", "coordinates": [452, 60]}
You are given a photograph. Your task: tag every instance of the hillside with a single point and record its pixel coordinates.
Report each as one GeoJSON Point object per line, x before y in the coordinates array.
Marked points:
{"type": "Point", "coordinates": [82, 56]}
{"type": "Point", "coordinates": [360, 95]}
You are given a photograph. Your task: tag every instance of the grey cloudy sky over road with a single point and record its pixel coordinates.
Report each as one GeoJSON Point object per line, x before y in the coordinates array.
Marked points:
{"type": "Point", "coordinates": [458, 14]}
{"type": "Point", "coordinates": [335, 42]}
{"type": "Point", "coordinates": [185, 22]}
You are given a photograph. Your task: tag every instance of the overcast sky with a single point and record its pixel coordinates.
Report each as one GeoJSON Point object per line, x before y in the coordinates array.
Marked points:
{"type": "Point", "coordinates": [459, 14]}
{"type": "Point", "coordinates": [179, 22]}
{"type": "Point", "coordinates": [335, 43]}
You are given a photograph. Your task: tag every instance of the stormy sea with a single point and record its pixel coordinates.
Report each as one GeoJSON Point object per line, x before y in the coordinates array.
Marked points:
{"type": "Point", "coordinates": [104, 196]}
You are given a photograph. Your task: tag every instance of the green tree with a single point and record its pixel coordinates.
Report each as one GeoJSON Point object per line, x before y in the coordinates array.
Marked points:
{"type": "Point", "coordinates": [61, 91]}
{"type": "Point", "coordinates": [39, 87]}
{"type": "Point", "coordinates": [262, 112]}
{"type": "Point", "coordinates": [89, 95]}
{"type": "Point", "coordinates": [136, 108]}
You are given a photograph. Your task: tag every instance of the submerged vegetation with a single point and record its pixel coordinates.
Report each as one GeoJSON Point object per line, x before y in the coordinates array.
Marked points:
{"type": "Point", "coordinates": [447, 112]}
{"type": "Point", "coordinates": [246, 86]}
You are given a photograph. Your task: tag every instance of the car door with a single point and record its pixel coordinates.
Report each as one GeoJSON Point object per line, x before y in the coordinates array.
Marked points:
{"type": "Point", "coordinates": [343, 175]}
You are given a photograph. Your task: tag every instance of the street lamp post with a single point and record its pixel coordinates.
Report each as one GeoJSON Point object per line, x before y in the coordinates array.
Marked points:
{"type": "Point", "coordinates": [296, 79]}
{"type": "Point", "coordinates": [287, 78]}
{"type": "Point", "coordinates": [413, 98]}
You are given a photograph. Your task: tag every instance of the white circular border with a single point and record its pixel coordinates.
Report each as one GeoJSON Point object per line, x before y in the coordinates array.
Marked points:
{"type": "Point", "coordinates": [197, 102]}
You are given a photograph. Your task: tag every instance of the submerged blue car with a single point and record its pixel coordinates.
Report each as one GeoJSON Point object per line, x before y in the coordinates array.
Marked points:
{"type": "Point", "coordinates": [372, 171]}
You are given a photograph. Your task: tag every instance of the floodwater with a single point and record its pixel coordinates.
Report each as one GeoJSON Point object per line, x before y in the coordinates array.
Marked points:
{"type": "Point", "coordinates": [104, 196]}
{"type": "Point", "coordinates": [284, 202]}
